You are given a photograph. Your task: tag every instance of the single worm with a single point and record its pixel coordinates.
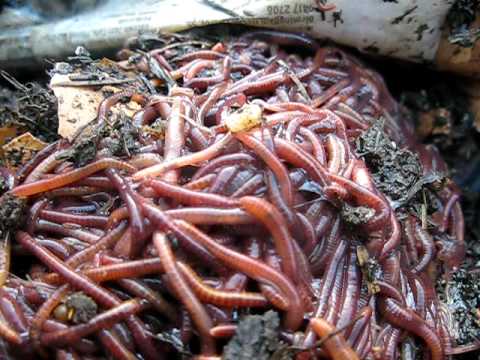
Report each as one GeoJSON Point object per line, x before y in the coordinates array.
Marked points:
{"type": "Point", "coordinates": [271, 218]}
{"type": "Point", "coordinates": [190, 197]}
{"type": "Point", "coordinates": [192, 159]}
{"type": "Point", "coordinates": [272, 162]}
{"type": "Point", "coordinates": [83, 220]}
{"type": "Point", "coordinates": [114, 346]}
{"type": "Point", "coordinates": [218, 297]}
{"type": "Point", "coordinates": [126, 269]}
{"type": "Point", "coordinates": [101, 321]}
{"type": "Point", "coordinates": [174, 138]}
{"type": "Point", "coordinates": [428, 246]}
{"type": "Point", "coordinates": [334, 343]}
{"type": "Point", "coordinates": [58, 181]}
{"type": "Point", "coordinates": [154, 299]}
{"type": "Point", "coordinates": [410, 321]}
{"type": "Point", "coordinates": [201, 319]}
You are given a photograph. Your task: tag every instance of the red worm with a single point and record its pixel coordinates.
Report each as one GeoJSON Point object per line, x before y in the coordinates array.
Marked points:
{"type": "Point", "coordinates": [9, 334]}
{"type": "Point", "coordinates": [200, 183]}
{"type": "Point", "coordinates": [336, 154]}
{"type": "Point", "coordinates": [154, 299]}
{"type": "Point", "coordinates": [335, 299]}
{"type": "Point", "coordinates": [213, 97]}
{"type": "Point", "coordinates": [301, 159]}
{"type": "Point", "coordinates": [93, 181]}
{"type": "Point", "coordinates": [428, 246]}
{"type": "Point", "coordinates": [44, 312]}
{"type": "Point", "coordinates": [351, 295]}
{"type": "Point", "coordinates": [116, 216]}
{"type": "Point", "coordinates": [225, 160]}
{"type": "Point", "coordinates": [410, 321]}
{"type": "Point", "coordinates": [364, 196]}
{"type": "Point", "coordinates": [190, 197]}
{"type": "Point", "coordinates": [198, 67]}
{"type": "Point", "coordinates": [31, 164]}
{"type": "Point", "coordinates": [137, 226]}
{"type": "Point", "coordinates": [33, 214]}
{"type": "Point", "coordinates": [211, 216]}
{"type": "Point", "coordinates": [219, 297]}
{"type": "Point", "coordinates": [318, 150]}
{"type": "Point", "coordinates": [254, 269]}
{"type": "Point", "coordinates": [75, 190]}
{"type": "Point", "coordinates": [164, 222]}
{"type": "Point", "coordinates": [224, 177]}
{"type": "Point", "coordinates": [83, 220]}
{"type": "Point", "coordinates": [328, 282]}
{"type": "Point", "coordinates": [114, 346]}
{"type": "Point", "coordinates": [201, 319]}
{"type": "Point", "coordinates": [271, 218]}
{"type": "Point", "coordinates": [70, 177]}
{"type": "Point", "coordinates": [249, 187]}
{"type": "Point", "coordinates": [99, 322]}
{"type": "Point", "coordinates": [78, 233]}
{"type": "Point", "coordinates": [47, 165]}
{"type": "Point", "coordinates": [124, 270]}
{"type": "Point", "coordinates": [275, 196]}
{"type": "Point", "coordinates": [192, 159]}
{"type": "Point", "coordinates": [223, 331]}
{"type": "Point", "coordinates": [174, 138]}
{"type": "Point", "coordinates": [360, 325]}
{"type": "Point", "coordinates": [110, 101]}
{"type": "Point", "coordinates": [76, 280]}
{"type": "Point", "coordinates": [394, 238]}
{"type": "Point", "coordinates": [334, 343]}
{"type": "Point", "coordinates": [265, 84]}
{"type": "Point", "coordinates": [105, 242]}
{"type": "Point", "coordinates": [200, 54]}
{"type": "Point", "coordinates": [272, 162]}
{"type": "Point", "coordinates": [388, 290]}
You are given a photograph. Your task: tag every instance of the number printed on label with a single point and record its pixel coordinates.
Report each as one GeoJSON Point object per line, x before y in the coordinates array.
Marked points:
{"type": "Point", "coordinates": [278, 9]}
{"type": "Point", "coordinates": [289, 9]}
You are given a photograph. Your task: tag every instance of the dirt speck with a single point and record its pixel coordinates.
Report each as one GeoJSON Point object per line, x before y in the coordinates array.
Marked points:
{"type": "Point", "coordinates": [12, 213]}
{"type": "Point", "coordinates": [256, 338]}
{"type": "Point", "coordinates": [356, 215]}
{"type": "Point", "coordinates": [82, 307]}
{"type": "Point", "coordinates": [461, 294]}
{"type": "Point", "coordinates": [394, 170]}
{"type": "Point", "coordinates": [29, 107]}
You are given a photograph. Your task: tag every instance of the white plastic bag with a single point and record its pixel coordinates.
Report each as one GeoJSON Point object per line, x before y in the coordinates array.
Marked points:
{"type": "Point", "coordinates": [406, 29]}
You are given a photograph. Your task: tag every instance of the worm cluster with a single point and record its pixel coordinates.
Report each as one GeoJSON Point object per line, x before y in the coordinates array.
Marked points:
{"type": "Point", "coordinates": [250, 180]}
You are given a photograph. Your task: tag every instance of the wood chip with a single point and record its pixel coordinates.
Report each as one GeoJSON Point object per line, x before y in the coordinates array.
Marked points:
{"type": "Point", "coordinates": [77, 106]}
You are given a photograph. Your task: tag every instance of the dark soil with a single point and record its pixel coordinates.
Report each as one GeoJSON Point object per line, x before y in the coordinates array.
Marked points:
{"type": "Point", "coordinates": [256, 338]}
{"type": "Point", "coordinates": [29, 107]}
{"type": "Point", "coordinates": [395, 170]}
{"type": "Point", "coordinates": [120, 136]}
{"type": "Point", "coordinates": [440, 109]}
{"type": "Point", "coordinates": [82, 307]}
{"type": "Point", "coordinates": [460, 17]}
{"type": "Point", "coordinates": [12, 213]}
{"type": "Point", "coordinates": [462, 295]}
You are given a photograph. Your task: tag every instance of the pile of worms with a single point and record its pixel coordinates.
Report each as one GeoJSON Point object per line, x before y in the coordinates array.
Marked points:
{"type": "Point", "coordinates": [253, 198]}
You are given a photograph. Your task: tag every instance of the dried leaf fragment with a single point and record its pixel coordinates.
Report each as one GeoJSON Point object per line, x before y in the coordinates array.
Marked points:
{"type": "Point", "coordinates": [21, 149]}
